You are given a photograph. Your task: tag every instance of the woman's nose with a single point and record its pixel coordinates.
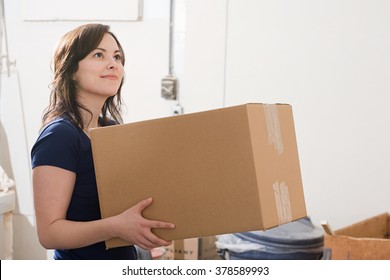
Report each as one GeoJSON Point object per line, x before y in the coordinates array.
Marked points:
{"type": "Point", "coordinates": [112, 64]}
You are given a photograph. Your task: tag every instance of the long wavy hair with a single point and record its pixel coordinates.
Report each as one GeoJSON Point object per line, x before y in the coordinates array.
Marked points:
{"type": "Point", "coordinates": [73, 47]}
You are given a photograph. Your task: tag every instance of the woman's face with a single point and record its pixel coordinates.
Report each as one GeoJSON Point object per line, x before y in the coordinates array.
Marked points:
{"type": "Point", "coordinates": [100, 73]}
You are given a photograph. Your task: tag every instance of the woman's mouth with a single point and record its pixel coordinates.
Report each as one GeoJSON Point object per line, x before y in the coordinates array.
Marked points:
{"type": "Point", "coordinates": [110, 77]}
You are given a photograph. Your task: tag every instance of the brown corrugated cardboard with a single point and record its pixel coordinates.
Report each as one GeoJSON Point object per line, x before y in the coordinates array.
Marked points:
{"type": "Point", "coordinates": [220, 171]}
{"type": "Point", "coordinates": [365, 240]}
{"type": "Point", "coordinates": [192, 249]}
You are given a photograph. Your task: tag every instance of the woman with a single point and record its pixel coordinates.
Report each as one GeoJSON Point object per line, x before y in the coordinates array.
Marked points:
{"type": "Point", "coordinates": [88, 76]}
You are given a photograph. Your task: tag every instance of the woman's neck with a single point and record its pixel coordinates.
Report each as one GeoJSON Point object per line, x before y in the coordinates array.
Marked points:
{"type": "Point", "coordinates": [91, 115]}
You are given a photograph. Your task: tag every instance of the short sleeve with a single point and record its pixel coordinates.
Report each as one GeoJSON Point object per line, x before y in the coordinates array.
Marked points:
{"type": "Point", "coordinates": [57, 145]}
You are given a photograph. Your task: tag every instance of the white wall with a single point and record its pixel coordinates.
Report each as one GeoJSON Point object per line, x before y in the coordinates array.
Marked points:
{"type": "Point", "coordinates": [329, 60]}
{"type": "Point", "coordinates": [146, 45]}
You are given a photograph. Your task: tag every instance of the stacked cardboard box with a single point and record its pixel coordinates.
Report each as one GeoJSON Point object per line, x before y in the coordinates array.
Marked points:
{"type": "Point", "coordinates": [192, 249]}
{"type": "Point", "coordinates": [365, 240]}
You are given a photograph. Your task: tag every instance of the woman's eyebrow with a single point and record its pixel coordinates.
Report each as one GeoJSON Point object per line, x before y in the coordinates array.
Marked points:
{"type": "Point", "coordinates": [104, 50]}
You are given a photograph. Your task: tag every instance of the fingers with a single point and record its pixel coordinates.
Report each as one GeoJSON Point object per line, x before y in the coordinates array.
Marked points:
{"type": "Point", "coordinates": [147, 245]}
{"type": "Point", "coordinates": [149, 241]}
{"type": "Point", "coordinates": [143, 204]}
{"type": "Point", "coordinates": [160, 224]}
{"type": "Point", "coordinates": [142, 229]}
{"type": "Point", "coordinates": [154, 239]}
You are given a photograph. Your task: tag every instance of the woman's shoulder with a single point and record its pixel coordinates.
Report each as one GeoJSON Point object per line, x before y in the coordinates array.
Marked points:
{"type": "Point", "coordinates": [58, 144]}
{"type": "Point", "coordinates": [61, 127]}
{"type": "Point", "coordinates": [60, 124]}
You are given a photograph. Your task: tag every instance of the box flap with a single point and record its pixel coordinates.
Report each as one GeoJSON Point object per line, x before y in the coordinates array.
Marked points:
{"type": "Point", "coordinates": [374, 227]}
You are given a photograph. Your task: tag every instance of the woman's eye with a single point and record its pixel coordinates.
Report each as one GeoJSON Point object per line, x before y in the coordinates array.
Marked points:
{"type": "Point", "coordinates": [118, 57]}
{"type": "Point", "coordinates": [99, 55]}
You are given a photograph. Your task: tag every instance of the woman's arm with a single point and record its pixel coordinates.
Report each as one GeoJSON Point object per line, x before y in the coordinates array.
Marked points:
{"type": "Point", "coordinates": [53, 189]}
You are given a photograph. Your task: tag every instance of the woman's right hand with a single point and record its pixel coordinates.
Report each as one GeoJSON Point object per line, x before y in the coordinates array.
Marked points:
{"type": "Point", "coordinates": [134, 228]}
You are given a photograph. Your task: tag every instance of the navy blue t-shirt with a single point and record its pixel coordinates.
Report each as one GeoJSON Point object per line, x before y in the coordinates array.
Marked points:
{"type": "Point", "coordinates": [64, 145]}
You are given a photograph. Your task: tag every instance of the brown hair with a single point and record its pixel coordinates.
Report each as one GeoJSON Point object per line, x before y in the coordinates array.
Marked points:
{"type": "Point", "coordinates": [73, 47]}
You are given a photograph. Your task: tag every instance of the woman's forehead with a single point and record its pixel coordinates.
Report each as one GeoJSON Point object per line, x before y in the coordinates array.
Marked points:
{"type": "Point", "coordinates": [108, 43]}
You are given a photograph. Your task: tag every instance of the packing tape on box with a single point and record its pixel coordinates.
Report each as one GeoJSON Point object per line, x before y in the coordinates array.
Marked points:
{"type": "Point", "coordinates": [282, 199]}
{"type": "Point", "coordinates": [273, 127]}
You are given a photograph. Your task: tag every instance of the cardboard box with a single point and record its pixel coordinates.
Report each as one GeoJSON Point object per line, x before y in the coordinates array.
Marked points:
{"type": "Point", "coordinates": [203, 248]}
{"type": "Point", "coordinates": [365, 240]}
{"type": "Point", "coordinates": [220, 171]}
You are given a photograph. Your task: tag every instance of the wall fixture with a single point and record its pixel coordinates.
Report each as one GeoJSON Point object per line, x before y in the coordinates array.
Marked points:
{"type": "Point", "coordinates": [169, 82]}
